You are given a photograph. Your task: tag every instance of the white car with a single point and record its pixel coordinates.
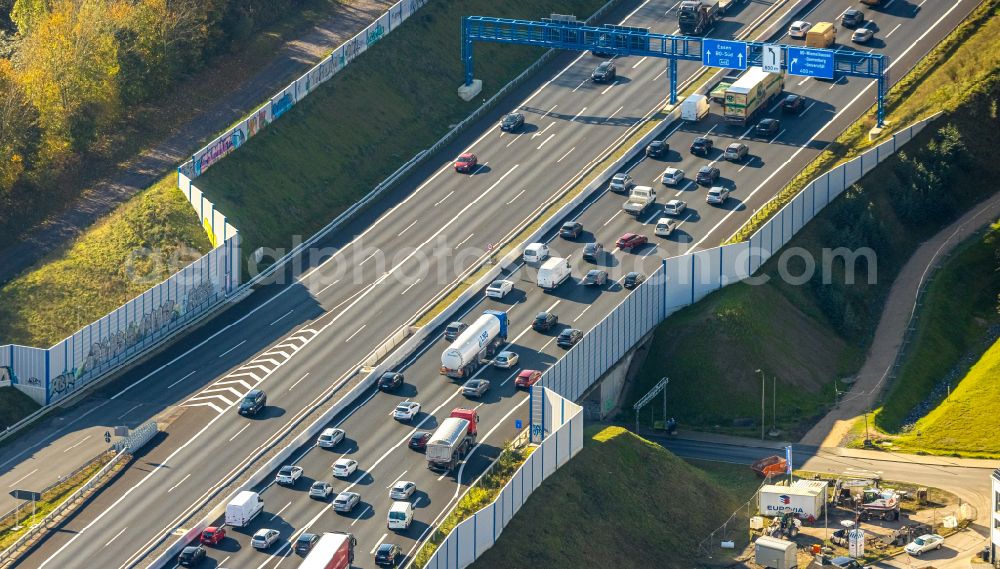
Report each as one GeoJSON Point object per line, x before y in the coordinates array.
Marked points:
{"type": "Point", "coordinates": [665, 226]}
{"type": "Point", "coordinates": [264, 538]}
{"type": "Point", "coordinates": [499, 289]}
{"type": "Point", "coordinates": [288, 475]}
{"type": "Point", "coordinates": [924, 543]}
{"type": "Point", "coordinates": [717, 195]}
{"type": "Point", "coordinates": [345, 502]}
{"type": "Point", "coordinates": [344, 467]}
{"type": "Point", "coordinates": [320, 489]}
{"type": "Point", "coordinates": [402, 490]}
{"type": "Point", "coordinates": [330, 437]}
{"type": "Point", "coordinates": [862, 35]}
{"type": "Point", "coordinates": [506, 360]}
{"type": "Point", "coordinates": [672, 176]}
{"type": "Point", "coordinates": [799, 29]}
{"type": "Point", "coordinates": [406, 411]}
{"type": "Point", "coordinates": [674, 207]}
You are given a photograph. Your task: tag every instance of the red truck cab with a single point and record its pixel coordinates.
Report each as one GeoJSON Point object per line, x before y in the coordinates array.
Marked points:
{"type": "Point", "coordinates": [469, 415]}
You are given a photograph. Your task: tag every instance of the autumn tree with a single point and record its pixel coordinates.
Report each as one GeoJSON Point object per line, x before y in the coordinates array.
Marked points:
{"type": "Point", "coordinates": [18, 133]}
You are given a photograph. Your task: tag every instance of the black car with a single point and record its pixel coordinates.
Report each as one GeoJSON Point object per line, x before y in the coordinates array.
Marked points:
{"type": "Point", "coordinates": [571, 230]}
{"type": "Point", "coordinates": [852, 18]}
{"type": "Point", "coordinates": [545, 321]}
{"type": "Point", "coordinates": [191, 556]}
{"type": "Point", "coordinates": [702, 146]}
{"type": "Point", "coordinates": [512, 122]}
{"type": "Point", "coordinates": [602, 54]}
{"type": "Point", "coordinates": [604, 73]}
{"type": "Point", "coordinates": [390, 381]}
{"type": "Point", "coordinates": [793, 103]}
{"type": "Point", "coordinates": [633, 280]}
{"type": "Point", "coordinates": [253, 402]}
{"type": "Point", "coordinates": [569, 337]}
{"type": "Point", "coordinates": [305, 543]}
{"type": "Point", "coordinates": [657, 148]}
{"type": "Point", "coordinates": [707, 175]}
{"type": "Point", "coordinates": [767, 128]}
{"type": "Point", "coordinates": [453, 330]}
{"type": "Point", "coordinates": [386, 555]}
{"type": "Point", "coordinates": [418, 441]}
{"type": "Point", "coordinates": [591, 252]}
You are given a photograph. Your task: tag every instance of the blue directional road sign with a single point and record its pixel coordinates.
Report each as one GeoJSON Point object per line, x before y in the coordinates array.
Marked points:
{"type": "Point", "coordinates": [810, 62]}
{"type": "Point", "coordinates": [517, 424]}
{"type": "Point", "coordinates": [721, 53]}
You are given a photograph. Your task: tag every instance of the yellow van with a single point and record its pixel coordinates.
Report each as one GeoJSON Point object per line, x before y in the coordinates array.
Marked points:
{"type": "Point", "coordinates": [822, 35]}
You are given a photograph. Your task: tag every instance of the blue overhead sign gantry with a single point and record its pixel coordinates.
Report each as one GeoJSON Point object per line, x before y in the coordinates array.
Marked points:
{"type": "Point", "coordinates": [567, 33]}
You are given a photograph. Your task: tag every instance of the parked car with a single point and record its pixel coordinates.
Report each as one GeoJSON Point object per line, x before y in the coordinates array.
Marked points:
{"type": "Point", "coordinates": [674, 207]}
{"type": "Point", "coordinates": [633, 280]}
{"type": "Point", "coordinates": [406, 411]}
{"type": "Point", "coordinates": [717, 195]}
{"type": "Point", "coordinates": [453, 330]}
{"type": "Point", "coordinates": [569, 337]}
{"type": "Point", "coordinates": [657, 148]}
{"type": "Point", "coordinates": [305, 542]}
{"type": "Point", "coordinates": [344, 467]}
{"type": "Point", "coordinates": [288, 475]}
{"type": "Point", "coordinates": [672, 176]}
{"type": "Point", "coordinates": [506, 360]}
{"type": "Point", "coordinates": [621, 183]}
{"type": "Point", "coordinates": [852, 17]}
{"type": "Point", "coordinates": [592, 252]}
{"type": "Point", "coordinates": [345, 502]}
{"type": "Point", "coordinates": [527, 378]}
{"type": "Point", "coordinates": [264, 538]}
{"type": "Point", "coordinates": [402, 490]}
{"type": "Point", "coordinates": [191, 556]}
{"type": "Point", "coordinates": [212, 535]}
{"type": "Point", "coordinates": [512, 122]}
{"type": "Point", "coordinates": [595, 277]}
{"type": "Point", "coordinates": [862, 35]}
{"type": "Point", "coordinates": [253, 403]}
{"type": "Point", "coordinates": [466, 162]}
{"type": "Point", "coordinates": [793, 103]}
{"type": "Point", "coordinates": [707, 175]}
{"type": "Point", "coordinates": [702, 146]}
{"type": "Point", "coordinates": [847, 563]}
{"type": "Point", "coordinates": [924, 543]}
{"type": "Point", "coordinates": [475, 387]}
{"type": "Point", "coordinates": [736, 152]}
{"type": "Point", "coordinates": [499, 289]}
{"type": "Point", "coordinates": [330, 437]}
{"type": "Point", "coordinates": [631, 241]}
{"type": "Point", "coordinates": [390, 381]}
{"type": "Point", "coordinates": [544, 321]}
{"type": "Point", "coordinates": [387, 554]}
{"type": "Point", "coordinates": [571, 230]}
{"type": "Point", "coordinates": [604, 73]}
{"type": "Point", "coordinates": [320, 489]}
{"type": "Point", "coordinates": [798, 29]}
{"type": "Point", "coordinates": [767, 128]}
{"type": "Point", "coordinates": [418, 440]}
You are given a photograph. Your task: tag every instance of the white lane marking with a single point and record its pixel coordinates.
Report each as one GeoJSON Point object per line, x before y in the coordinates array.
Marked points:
{"type": "Point", "coordinates": [80, 442]}
{"type": "Point", "coordinates": [638, 63]}
{"type": "Point", "coordinates": [179, 483]}
{"type": "Point", "coordinates": [238, 432]}
{"type": "Point", "coordinates": [510, 377]}
{"type": "Point", "coordinates": [117, 535]}
{"type": "Point", "coordinates": [582, 83]}
{"type": "Point", "coordinates": [651, 217]}
{"type": "Point", "coordinates": [549, 112]}
{"type": "Point", "coordinates": [614, 113]}
{"type": "Point", "coordinates": [580, 315]}
{"type": "Point", "coordinates": [361, 515]}
{"type": "Point", "coordinates": [543, 131]}
{"type": "Point", "coordinates": [278, 513]}
{"type": "Point", "coordinates": [684, 188]}
{"type": "Point", "coordinates": [775, 107]}
{"type": "Point", "coordinates": [918, 6]}
{"type": "Point", "coordinates": [617, 213]}
{"type": "Point", "coordinates": [660, 74]}
{"type": "Point", "coordinates": [519, 194]}
{"type": "Point", "coordinates": [379, 542]}
{"type": "Point", "coordinates": [511, 142]}
{"type": "Point", "coordinates": [800, 83]}
{"type": "Point", "coordinates": [407, 289]}
{"type": "Point", "coordinates": [609, 87]}
{"type": "Point", "coordinates": [223, 563]}
{"type": "Point", "coordinates": [887, 4]}
{"type": "Point", "coordinates": [398, 478]}
{"type": "Point", "coordinates": [292, 386]}
{"type": "Point", "coordinates": [748, 162]}
{"type": "Point", "coordinates": [478, 169]}
{"type": "Point", "coordinates": [215, 391]}
{"type": "Point", "coordinates": [218, 409]}
{"type": "Point", "coordinates": [322, 290]}
{"type": "Point", "coordinates": [440, 478]}
{"type": "Point", "coordinates": [400, 234]}
{"type": "Point", "coordinates": [560, 160]}
{"type": "Point", "coordinates": [543, 349]}
{"type": "Point", "coordinates": [355, 334]}
{"type": "Point", "coordinates": [807, 109]}
{"type": "Point", "coordinates": [133, 408]}
{"type": "Point", "coordinates": [441, 201]}
{"type": "Point", "coordinates": [834, 84]}
{"type": "Point", "coordinates": [280, 317]}
{"type": "Point", "coordinates": [464, 240]}
{"type": "Point", "coordinates": [180, 380]}
{"type": "Point", "coordinates": [369, 258]}
{"type": "Point", "coordinates": [777, 136]}
{"type": "Point", "coordinates": [233, 348]}
{"type": "Point", "coordinates": [23, 477]}
{"type": "Point", "coordinates": [578, 114]}
{"type": "Point", "coordinates": [546, 140]}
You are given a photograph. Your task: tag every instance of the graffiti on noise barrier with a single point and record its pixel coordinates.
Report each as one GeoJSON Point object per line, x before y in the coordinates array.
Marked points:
{"type": "Point", "coordinates": [8, 378]}
{"type": "Point", "coordinates": [222, 147]}
{"type": "Point", "coordinates": [375, 34]}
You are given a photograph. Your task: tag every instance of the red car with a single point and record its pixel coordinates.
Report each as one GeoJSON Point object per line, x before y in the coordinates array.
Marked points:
{"type": "Point", "coordinates": [213, 535]}
{"type": "Point", "coordinates": [527, 378]}
{"type": "Point", "coordinates": [466, 162]}
{"type": "Point", "coordinates": [631, 240]}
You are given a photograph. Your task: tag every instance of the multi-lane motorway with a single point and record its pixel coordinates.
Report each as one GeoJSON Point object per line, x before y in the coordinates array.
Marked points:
{"type": "Point", "coordinates": [303, 340]}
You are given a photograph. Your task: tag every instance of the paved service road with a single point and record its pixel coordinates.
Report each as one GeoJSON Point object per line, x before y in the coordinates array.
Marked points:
{"type": "Point", "coordinates": [310, 336]}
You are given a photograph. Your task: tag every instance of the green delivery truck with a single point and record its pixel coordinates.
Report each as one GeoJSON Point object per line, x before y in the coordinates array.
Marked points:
{"type": "Point", "coordinates": [751, 94]}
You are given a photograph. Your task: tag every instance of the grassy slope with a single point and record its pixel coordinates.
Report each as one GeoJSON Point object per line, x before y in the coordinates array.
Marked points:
{"type": "Point", "coordinates": [710, 362]}
{"type": "Point", "coordinates": [14, 406]}
{"type": "Point", "coordinates": [589, 516]}
{"type": "Point", "coordinates": [961, 303]}
{"type": "Point", "coordinates": [101, 269]}
{"type": "Point", "coordinates": [334, 147]}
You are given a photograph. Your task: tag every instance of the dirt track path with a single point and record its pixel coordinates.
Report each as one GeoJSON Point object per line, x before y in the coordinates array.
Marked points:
{"type": "Point", "coordinates": [832, 429]}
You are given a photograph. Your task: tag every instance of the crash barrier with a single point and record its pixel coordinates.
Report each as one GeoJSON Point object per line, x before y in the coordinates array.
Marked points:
{"type": "Point", "coordinates": [473, 536]}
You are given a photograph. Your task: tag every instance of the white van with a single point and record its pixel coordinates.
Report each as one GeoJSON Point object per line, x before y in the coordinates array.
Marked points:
{"type": "Point", "coordinates": [694, 108]}
{"type": "Point", "coordinates": [536, 253]}
{"type": "Point", "coordinates": [553, 273]}
{"type": "Point", "coordinates": [400, 515]}
{"type": "Point", "coordinates": [243, 509]}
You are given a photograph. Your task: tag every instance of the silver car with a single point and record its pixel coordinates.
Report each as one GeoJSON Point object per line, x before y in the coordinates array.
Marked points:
{"type": "Point", "coordinates": [475, 387]}
{"type": "Point", "coordinates": [345, 502]}
{"type": "Point", "coordinates": [672, 176]}
{"type": "Point", "coordinates": [330, 437]}
{"type": "Point", "coordinates": [717, 195]}
{"type": "Point", "coordinates": [506, 360]}
{"type": "Point", "coordinates": [320, 489]}
{"type": "Point", "coordinates": [621, 183]}
{"type": "Point", "coordinates": [264, 538]}
{"type": "Point", "coordinates": [402, 490]}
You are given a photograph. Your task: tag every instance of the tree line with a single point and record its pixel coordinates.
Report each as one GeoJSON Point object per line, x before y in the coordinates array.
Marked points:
{"type": "Point", "coordinates": [71, 70]}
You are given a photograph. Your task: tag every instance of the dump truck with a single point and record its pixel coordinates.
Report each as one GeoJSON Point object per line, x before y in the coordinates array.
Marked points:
{"type": "Point", "coordinates": [639, 200]}
{"type": "Point", "coordinates": [696, 17]}
{"type": "Point", "coordinates": [751, 94]}
{"type": "Point", "coordinates": [771, 466]}
{"type": "Point", "coordinates": [449, 444]}
{"type": "Point", "coordinates": [476, 345]}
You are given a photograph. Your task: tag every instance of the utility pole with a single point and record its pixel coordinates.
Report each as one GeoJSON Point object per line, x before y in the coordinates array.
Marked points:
{"type": "Point", "coordinates": [762, 420]}
{"type": "Point", "coordinates": [774, 404]}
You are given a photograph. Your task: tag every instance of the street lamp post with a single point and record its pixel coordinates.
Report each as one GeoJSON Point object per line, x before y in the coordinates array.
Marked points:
{"type": "Point", "coordinates": [762, 420]}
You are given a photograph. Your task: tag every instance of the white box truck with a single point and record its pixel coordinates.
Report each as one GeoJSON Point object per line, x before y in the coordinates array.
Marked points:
{"type": "Point", "coordinates": [750, 95]}
{"type": "Point", "coordinates": [694, 108]}
{"type": "Point", "coordinates": [553, 273]}
{"type": "Point", "coordinates": [774, 553]}
{"type": "Point", "coordinates": [805, 502]}
{"type": "Point", "coordinates": [243, 509]}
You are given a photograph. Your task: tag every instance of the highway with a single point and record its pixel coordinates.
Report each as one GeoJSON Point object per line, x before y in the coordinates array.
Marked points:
{"type": "Point", "coordinates": [310, 336]}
